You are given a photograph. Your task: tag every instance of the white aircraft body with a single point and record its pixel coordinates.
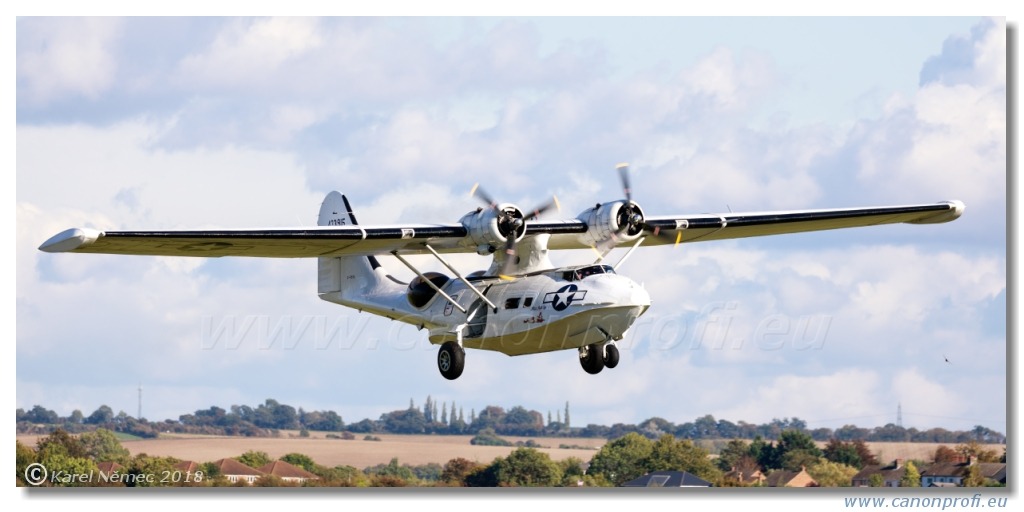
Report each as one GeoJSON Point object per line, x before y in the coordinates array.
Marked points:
{"type": "Point", "coordinates": [522, 304]}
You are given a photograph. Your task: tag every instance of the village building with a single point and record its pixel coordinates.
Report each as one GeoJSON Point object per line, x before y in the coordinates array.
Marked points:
{"type": "Point", "coordinates": [235, 471]}
{"type": "Point", "coordinates": [668, 479]}
{"type": "Point", "coordinates": [783, 478]}
{"type": "Point", "coordinates": [890, 474]}
{"type": "Point", "coordinates": [287, 472]}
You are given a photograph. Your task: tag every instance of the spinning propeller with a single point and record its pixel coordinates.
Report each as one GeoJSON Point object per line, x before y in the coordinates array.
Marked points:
{"type": "Point", "coordinates": [511, 224]}
{"type": "Point", "coordinates": [630, 219]}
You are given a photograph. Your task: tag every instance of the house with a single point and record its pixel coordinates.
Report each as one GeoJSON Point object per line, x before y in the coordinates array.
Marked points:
{"type": "Point", "coordinates": [668, 479]}
{"type": "Point", "coordinates": [108, 468]}
{"type": "Point", "coordinates": [746, 476]}
{"type": "Point", "coordinates": [287, 472]}
{"type": "Point", "coordinates": [945, 474]}
{"type": "Point", "coordinates": [783, 478]}
{"type": "Point", "coordinates": [235, 471]}
{"type": "Point", "coordinates": [891, 474]}
{"type": "Point", "coordinates": [188, 467]}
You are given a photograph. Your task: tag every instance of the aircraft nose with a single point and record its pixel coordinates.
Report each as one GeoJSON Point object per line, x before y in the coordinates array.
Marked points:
{"type": "Point", "coordinates": [638, 296]}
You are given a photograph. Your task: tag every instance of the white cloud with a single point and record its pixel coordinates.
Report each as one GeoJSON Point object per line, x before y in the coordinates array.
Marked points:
{"type": "Point", "coordinates": [66, 57]}
{"type": "Point", "coordinates": [846, 393]}
{"type": "Point", "coordinates": [247, 51]}
{"type": "Point", "coordinates": [949, 140]}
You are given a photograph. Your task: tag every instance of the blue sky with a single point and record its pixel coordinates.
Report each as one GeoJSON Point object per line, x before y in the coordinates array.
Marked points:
{"type": "Point", "coordinates": [223, 122]}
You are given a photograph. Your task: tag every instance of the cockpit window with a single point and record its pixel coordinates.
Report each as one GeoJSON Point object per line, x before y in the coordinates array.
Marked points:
{"type": "Point", "coordinates": [584, 272]}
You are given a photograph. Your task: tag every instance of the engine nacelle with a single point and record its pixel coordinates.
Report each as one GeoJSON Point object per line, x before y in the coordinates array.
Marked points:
{"type": "Point", "coordinates": [489, 228]}
{"type": "Point", "coordinates": [420, 293]}
{"type": "Point", "coordinates": [605, 221]}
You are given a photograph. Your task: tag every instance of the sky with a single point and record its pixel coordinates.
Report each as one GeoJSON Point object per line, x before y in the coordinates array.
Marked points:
{"type": "Point", "coordinates": [154, 123]}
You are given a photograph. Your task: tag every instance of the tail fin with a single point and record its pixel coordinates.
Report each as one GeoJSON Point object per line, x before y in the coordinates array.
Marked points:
{"type": "Point", "coordinates": [359, 270]}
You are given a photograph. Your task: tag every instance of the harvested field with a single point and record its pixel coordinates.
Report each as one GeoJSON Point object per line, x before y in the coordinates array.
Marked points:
{"type": "Point", "coordinates": [409, 449]}
{"type": "Point", "coordinates": [415, 449]}
{"type": "Point", "coordinates": [888, 452]}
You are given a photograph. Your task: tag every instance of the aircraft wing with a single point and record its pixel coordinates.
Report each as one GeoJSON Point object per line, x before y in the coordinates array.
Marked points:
{"type": "Point", "coordinates": [265, 243]}
{"type": "Point", "coordinates": [707, 227]}
{"type": "Point", "coordinates": [411, 239]}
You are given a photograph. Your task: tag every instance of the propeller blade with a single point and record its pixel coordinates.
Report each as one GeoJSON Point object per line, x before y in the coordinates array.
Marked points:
{"type": "Point", "coordinates": [479, 193]}
{"type": "Point", "coordinates": [510, 259]}
{"type": "Point", "coordinates": [537, 212]}
{"type": "Point", "coordinates": [624, 177]}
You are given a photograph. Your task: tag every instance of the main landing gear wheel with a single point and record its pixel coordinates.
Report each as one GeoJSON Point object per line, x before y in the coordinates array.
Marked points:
{"type": "Point", "coordinates": [451, 359]}
{"type": "Point", "coordinates": [611, 356]}
{"type": "Point", "coordinates": [591, 359]}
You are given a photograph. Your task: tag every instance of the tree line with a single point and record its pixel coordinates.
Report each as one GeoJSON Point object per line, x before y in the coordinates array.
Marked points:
{"type": "Point", "coordinates": [268, 418]}
{"type": "Point", "coordinates": [618, 461]}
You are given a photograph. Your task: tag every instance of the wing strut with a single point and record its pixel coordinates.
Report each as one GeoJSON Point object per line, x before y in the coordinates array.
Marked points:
{"type": "Point", "coordinates": [630, 251]}
{"type": "Point", "coordinates": [429, 282]}
{"type": "Point", "coordinates": [463, 279]}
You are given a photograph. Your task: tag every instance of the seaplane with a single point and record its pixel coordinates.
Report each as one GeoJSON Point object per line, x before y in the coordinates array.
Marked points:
{"type": "Point", "coordinates": [522, 304]}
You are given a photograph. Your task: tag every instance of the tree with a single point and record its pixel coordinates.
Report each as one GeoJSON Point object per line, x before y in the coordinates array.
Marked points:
{"type": "Point", "coordinates": [842, 453]}
{"type": "Point", "coordinates": [671, 454]}
{"type": "Point", "coordinates": [974, 477]}
{"type": "Point", "coordinates": [63, 468]}
{"type": "Point", "coordinates": [103, 414]}
{"type": "Point", "coordinates": [866, 457]}
{"type": "Point", "coordinates": [141, 466]}
{"type": "Point", "coordinates": [254, 459]}
{"type": "Point", "coordinates": [974, 449]}
{"type": "Point", "coordinates": [622, 459]}
{"type": "Point", "coordinates": [911, 476]}
{"type": "Point", "coordinates": [76, 418]}
{"type": "Point", "coordinates": [392, 470]}
{"type": "Point", "coordinates": [24, 456]}
{"type": "Point", "coordinates": [796, 449]}
{"type": "Point", "coordinates": [409, 421]}
{"type": "Point", "coordinates": [491, 417]}
{"type": "Point", "coordinates": [527, 467]}
{"type": "Point", "coordinates": [328, 421]}
{"type": "Point", "coordinates": [731, 454]}
{"type": "Point", "coordinates": [945, 454]}
{"type": "Point", "coordinates": [567, 423]}
{"type": "Point", "coordinates": [60, 442]}
{"type": "Point", "coordinates": [572, 471]}
{"type": "Point", "coordinates": [103, 446]}
{"type": "Point", "coordinates": [300, 460]}
{"type": "Point", "coordinates": [40, 414]}
{"type": "Point", "coordinates": [456, 470]}
{"type": "Point", "coordinates": [484, 476]}
{"type": "Point", "coordinates": [487, 437]}
{"type": "Point", "coordinates": [832, 474]}
{"type": "Point", "coordinates": [521, 422]}
{"type": "Point", "coordinates": [876, 480]}
{"type": "Point", "coordinates": [706, 427]}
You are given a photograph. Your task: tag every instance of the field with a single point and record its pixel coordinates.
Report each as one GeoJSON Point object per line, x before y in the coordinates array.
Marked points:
{"type": "Point", "coordinates": [411, 449]}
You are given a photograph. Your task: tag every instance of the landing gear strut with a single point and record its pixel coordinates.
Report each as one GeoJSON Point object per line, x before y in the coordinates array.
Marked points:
{"type": "Point", "coordinates": [451, 359]}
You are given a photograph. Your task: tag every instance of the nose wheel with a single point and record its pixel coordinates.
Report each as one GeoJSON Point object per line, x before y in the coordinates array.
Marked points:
{"type": "Point", "coordinates": [451, 359]}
